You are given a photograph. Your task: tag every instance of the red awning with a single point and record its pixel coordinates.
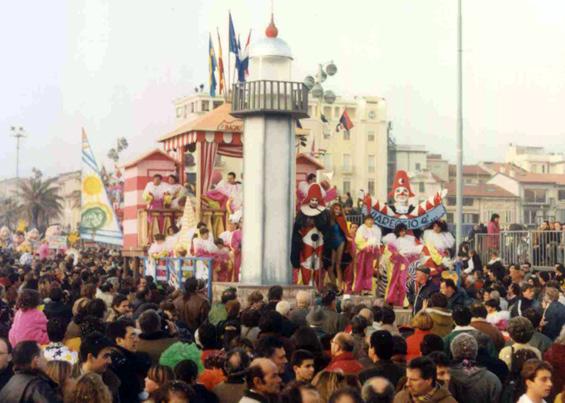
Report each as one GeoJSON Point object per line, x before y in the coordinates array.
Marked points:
{"type": "Point", "coordinates": [228, 139]}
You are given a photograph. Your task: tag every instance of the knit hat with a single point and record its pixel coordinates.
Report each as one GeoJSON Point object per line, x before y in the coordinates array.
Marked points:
{"type": "Point", "coordinates": [464, 347]}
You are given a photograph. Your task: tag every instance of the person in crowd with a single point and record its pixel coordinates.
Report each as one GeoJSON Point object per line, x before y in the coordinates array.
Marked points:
{"type": "Point", "coordinates": [346, 395]}
{"type": "Point", "coordinates": [287, 327]}
{"type": "Point", "coordinates": [218, 311]}
{"type": "Point", "coordinates": [120, 307]}
{"type": "Point", "coordinates": [462, 319]}
{"type": "Point", "coordinates": [441, 316]}
{"type": "Point", "coordinates": [367, 250]}
{"type": "Point", "coordinates": [29, 322]}
{"type": "Point", "coordinates": [538, 340]}
{"type": "Point", "coordinates": [250, 324]}
{"type": "Point", "coordinates": [187, 372]}
{"type": "Point", "coordinates": [555, 355]}
{"type": "Point", "coordinates": [495, 316]}
{"type": "Point", "coordinates": [191, 307]}
{"type": "Point", "coordinates": [273, 348]}
{"type": "Point", "coordinates": [232, 389]}
{"type": "Point", "coordinates": [399, 350]}
{"type": "Point", "coordinates": [262, 380]}
{"type": "Point", "coordinates": [89, 388]}
{"type": "Point", "coordinates": [380, 353]}
{"type": "Point", "coordinates": [153, 340]}
{"type": "Point", "coordinates": [430, 343]}
{"type": "Point", "coordinates": [443, 370]}
{"type": "Point", "coordinates": [469, 382]}
{"type": "Point", "coordinates": [527, 300]}
{"type": "Point", "coordinates": [60, 373]}
{"type": "Point", "coordinates": [554, 313]}
{"type": "Point", "coordinates": [328, 382]}
{"type": "Point", "coordinates": [536, 375]}
{"type": "Point", "coordinates": [421, 289]}
{"type": "Point", "coordinates": [479, 321]}
{"type": "Point", "coordinates": [422, 385]}
{"type": "Point", "coordinates": [377, 390]}
{"type": "Point", "coordinates": [130, 366]}
{"type": "Point", "coordinates": [521, 331]}
{"type": "Point", "coordinates": [57, 307]}
{"type": "Point", "coordinates": [455, 296]}
{"type": "Point", "coordinates": [6, 369]}
{"type": "Point", "coordinates": [422, 324]}
{"type": "Point", "coordinates": [29, 383]}
{"type": "Point", "coordinates": [388, 318]}
{"type": "Point", "coordinates": [56, 350]}
{"type": "Point", "coordinates": [333, 321]}
{"type": "Point", "coordinates": [298, 314]}
{"type": "Point", "coordinates": [157, 377]}
{"type": "Point", "coordinates": [302, 362]}
{"type": "Point", "coordinates": [342, 355]}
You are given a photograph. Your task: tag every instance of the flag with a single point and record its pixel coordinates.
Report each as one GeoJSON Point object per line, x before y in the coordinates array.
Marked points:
{"type": "Point", "coordinates": [212, 68]}
{"type": "Point", "coordinates": [242, 62]}
{"type": "Point", "coordinates": [221, 75]}
{"type": "Point", "coordinates": [98, 221]}
{"type": "Point", "coordinates": [233, 40]}
{"type": "Point", "coordinates": [344, 122]}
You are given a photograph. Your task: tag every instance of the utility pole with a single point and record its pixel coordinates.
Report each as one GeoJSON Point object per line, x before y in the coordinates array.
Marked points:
{"type": "Point", "coordinates": [459, 153]}
{"type": "Point", "coordinates": [18, 133]}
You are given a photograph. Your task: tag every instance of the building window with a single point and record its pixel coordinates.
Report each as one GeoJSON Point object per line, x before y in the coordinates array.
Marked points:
{"type": "Point", "coordinates": [418, 166]}
{"type": "Point", "coordinates": [421, 187]}
{"type": "Point", "coordinates": [452, 201]}
{"type": "Point", "coordinates": [507, 216]}
{"type": "Point", "coordinates": [529, 217]}
{"type": "Point", "coordinates": [179, 112]}
{"type": "Point", "coordinates": [346, 135]}
{"type": "Point", "coordinates": [217, 104]}
{"type": "Point", "coordinates": [371, 187]}
{"type": "Point", "coordinates": [347, 162]}
{"type": "Point", "coordinates": [346, 187]}
{"type": "Point", "coordinates": [450, 217]}
{"type": "Point", "coordinates": [192, 107]}
{"type": "Point", "coordinates": [468, 201]}
{"type": "Point", "coordinates": [534, 196]}
{"type": "Point", "coordinates": [205, 106]}
{"type": "Point", "coordinates": [371, 163]}
{"type": "Point", "coordinates": [371, 136]}
{"type": "Point", "coordinates": [469, 218]}
{"type": "Point", "coordinates": [561, 195]}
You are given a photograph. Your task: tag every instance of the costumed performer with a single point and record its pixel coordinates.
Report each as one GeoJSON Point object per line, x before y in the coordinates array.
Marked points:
{"type": "Point", "coordinates": [235, 246]}
{"type": "Point", "coordinates": [225, 190]}
{"type": "Point", "coordinates": [157, 250]}
{"type": "Point", "coordinates": [350, 256]}
{"type": "Point", "coordinates": [402, 254]}
{"type": "Point", "coordinates": [310, 230]}
{"type": "Point", "coordinates": [222, 263]}
{"type": "Point", "coordinates": [337, 242]}
{"type": "Point", "coordinates": [436, 253]}
{"type": "Point", "coordinates": [154, 195]}
{"type": "Point", "coordinates": [302, 189]}
{"type": "Point", "coordinates": [5, 237]}
{"type": "Point", "coordinates": [368, 243]}
{"type": "Point", "coordinates": [175, 191]}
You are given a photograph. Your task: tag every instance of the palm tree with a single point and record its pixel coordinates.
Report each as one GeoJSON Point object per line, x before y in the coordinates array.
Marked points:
{"type": "Point", "coordinates": [9, 212]}
{"type": "Point", "coordinates": [40, 199]}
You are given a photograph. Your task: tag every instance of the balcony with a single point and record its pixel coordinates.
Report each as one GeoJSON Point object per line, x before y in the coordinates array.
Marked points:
{"type": "Point", "coordinates": [270, 97]}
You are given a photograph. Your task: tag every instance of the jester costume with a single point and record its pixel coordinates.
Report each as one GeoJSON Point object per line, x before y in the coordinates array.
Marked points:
{"type": "Point", "coordinates": [311, 228]}
{"type": "Point", "coordinates": [368, 243]}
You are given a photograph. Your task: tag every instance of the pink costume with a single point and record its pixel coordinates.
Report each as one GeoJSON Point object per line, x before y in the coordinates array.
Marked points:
{"type": "Point", "coordinates": [223, 192]}
{"type": "Point", "coordinates": [43, 251]}
{"type": "Point", "coordinates": [403, 252]}
{"type": "Point", "coordinates": [367, 242]}
{"type": "Point", "coordinates": [235, 246]}
{"type": "Point", "coordinates": [435, 254]}
{"type": "Point", "coordinates": [222, 264]}
{"type": "Point", "coordinates": [154, 195]}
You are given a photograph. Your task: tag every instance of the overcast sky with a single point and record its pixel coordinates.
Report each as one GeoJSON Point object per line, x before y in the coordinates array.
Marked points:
{"type": "Point", "coordinates": [114, 68]}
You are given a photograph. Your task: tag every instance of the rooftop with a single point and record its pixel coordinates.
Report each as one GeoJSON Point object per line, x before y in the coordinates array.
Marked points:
{"type": "Point", "coordinates": [482, 190]}
{"type": "Point", "coordinates": [469, 170]}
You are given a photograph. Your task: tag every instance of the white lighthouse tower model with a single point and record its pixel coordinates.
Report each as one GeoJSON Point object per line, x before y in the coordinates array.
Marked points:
{"type": "Point", "coordinates": [269, 103]}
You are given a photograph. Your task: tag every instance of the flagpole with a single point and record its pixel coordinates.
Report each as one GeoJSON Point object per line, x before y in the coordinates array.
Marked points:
{"type": "Point", "coordinates": [459, 149]}
{"type": "Point", "coordinates": [229, 62]}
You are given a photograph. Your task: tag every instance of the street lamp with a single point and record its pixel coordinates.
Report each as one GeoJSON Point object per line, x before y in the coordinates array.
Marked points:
{"type": "Point", "coordinates": [19, 133]}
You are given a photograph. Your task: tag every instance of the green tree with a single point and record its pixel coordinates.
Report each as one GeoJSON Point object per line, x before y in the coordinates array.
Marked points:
{"type": "Point", "coordinates": [40, 200]}
{"type": "Point", "coordinates": [9, 212]}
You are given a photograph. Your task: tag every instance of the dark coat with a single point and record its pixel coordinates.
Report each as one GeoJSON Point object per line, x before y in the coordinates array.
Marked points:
{"type": "Point", "coordinates": [58, 310]}
{"type": "Point", "coordinates": [385, 368]}
{"type": "Point", "coordinates": [192, 310]}
{"type": "Point", "coordinates": [153, 344]}
{"type": "Point", "coordinates": [555, 319]}
{"type": "Point", "coordinates": [29, 387]}
{"type": "Point", "coordinates": [131, 368]}
{"type": "Point", "coordinates": [459, 298]}
{"type": "Point", "coordinates": [416, 298]}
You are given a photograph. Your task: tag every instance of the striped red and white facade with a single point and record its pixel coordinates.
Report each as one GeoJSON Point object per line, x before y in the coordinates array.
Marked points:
{"type": "Point", "coordinates": [136, 176]}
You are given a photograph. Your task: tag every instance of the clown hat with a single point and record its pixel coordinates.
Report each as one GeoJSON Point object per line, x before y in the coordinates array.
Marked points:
{"type": "Point", "coordinates": [314, 191]}
{"type": "Point", "coordinates": [401, 180]}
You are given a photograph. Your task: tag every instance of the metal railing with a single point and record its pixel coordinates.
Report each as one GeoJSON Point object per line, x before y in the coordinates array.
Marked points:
{"type": "Point", "coordinates": [270, 96]}
{"type": "Point", "coordinates": [542, 249]}
{"type": "Point", "coordinates": [175, 271]}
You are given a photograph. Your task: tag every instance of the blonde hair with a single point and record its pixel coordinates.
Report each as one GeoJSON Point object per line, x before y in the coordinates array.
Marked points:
{"type": "Point", "coordinates": [58, 371]}
{"type": "Point", "coordinates": [160, 374]}
{"type": "Point", "coordinates": [422, 321]}
{"type": "Point", "coordinates": [328, 382]}
{"type": "Point", "coordinates": [89, 389]}
{"type": "Point", "coordinates": [303, 298]}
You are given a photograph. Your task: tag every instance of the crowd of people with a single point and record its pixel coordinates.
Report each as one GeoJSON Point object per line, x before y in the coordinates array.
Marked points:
{"type": "Point", "coordinates": [89, 329]}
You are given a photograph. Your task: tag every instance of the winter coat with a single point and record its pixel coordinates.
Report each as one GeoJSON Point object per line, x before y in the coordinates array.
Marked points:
{"type": "Point", "coordinates": [491, 331]}
{"type": "Point", "coordinates": [440, 395]}
{"type": "Point", "coordinates": [555, 319]}
{"type": "Point", "coordinates": [413, 343]}
{"type": "Point", "coordinates": [555, 355]}
{"type": "Point", "coordinates": [29, 387]}
{"type": "Point", "coordinates": [154, 344]}
{"type": "Point", "coordinates": [346, 363]}
{"type": "Point", "coordinates": [459, 298]}
{"type": "Point", "coordinates": [30, 324]}
{"type": "Point", "coordinates": [58, 310]}
{"type": "Point", "coordinates": [192, 309]}
{"type": "Point", "coordinates": [131, 368]}
{"type": "Point", "coordinates": [475, 384]}
{"type": "Point", "coordinates": [443, 322]}
{"type": "Point", "coordinates": [417, 297]}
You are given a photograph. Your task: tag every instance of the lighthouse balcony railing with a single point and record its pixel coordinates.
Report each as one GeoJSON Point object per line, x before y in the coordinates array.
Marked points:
{"type": "Point", "coordinates": [270, 96]}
